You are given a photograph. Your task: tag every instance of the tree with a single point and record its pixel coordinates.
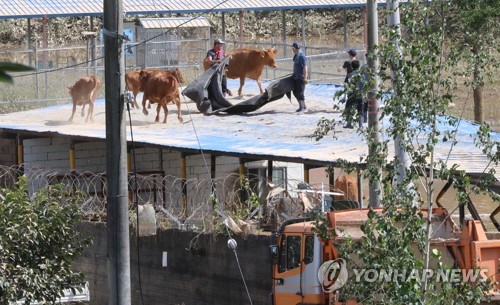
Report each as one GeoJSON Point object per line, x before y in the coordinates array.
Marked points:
{"type": "Point", "coordinates": [399, 237]}
{"type": "Point", "coordinates": [38, 243]}
{"type": "Point", "coordinates": [474, 30]}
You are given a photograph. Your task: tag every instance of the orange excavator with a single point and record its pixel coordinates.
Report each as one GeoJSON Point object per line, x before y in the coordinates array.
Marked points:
{"type": "Point", "coordinates": [299, 253]}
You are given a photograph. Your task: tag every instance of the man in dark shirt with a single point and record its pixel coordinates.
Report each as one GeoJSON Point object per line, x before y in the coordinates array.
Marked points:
{"type": "Point", "coordinates": [299, 76]}
{"type": "Point", "coordinates": [214, 56]}
{"type": "Point", "coordinates": [354, 98]}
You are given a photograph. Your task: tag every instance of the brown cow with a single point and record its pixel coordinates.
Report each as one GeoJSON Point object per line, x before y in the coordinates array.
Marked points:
{"type": "Point", "coordinates": [84, 92]}
{"type": "Point", "coordinates": [133, 82]}
{"type": "Point", "coordinates": [250, 63]}
{"type": "Point", "coordinates": [348, 185]}
{"type": "Point", "coordinates": [161, 88]}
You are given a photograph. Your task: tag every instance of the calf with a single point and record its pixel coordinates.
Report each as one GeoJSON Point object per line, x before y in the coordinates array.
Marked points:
{"type": "Point", "coordinates": [84, 92]}
{"type": "Point", "coordinates": [160, 88]}
{"type": "Point", "coordinates": [250, 63]}
{"type": "Point", "coordinates": [133, 82]}
{"type": "Point", "coordinates": [349, 186]}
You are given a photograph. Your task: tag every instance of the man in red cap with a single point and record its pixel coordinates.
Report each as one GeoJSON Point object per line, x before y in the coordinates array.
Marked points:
{"type": "Point", "coordinates": [214, 56]}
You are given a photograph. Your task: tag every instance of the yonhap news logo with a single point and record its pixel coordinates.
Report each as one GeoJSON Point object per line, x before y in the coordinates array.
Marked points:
{"type": "Point", "coordinates": [333, 275]}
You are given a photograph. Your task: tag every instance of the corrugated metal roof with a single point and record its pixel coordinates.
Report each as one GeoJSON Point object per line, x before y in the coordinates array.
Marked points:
{"type": "Point", "coordinates": [67, 8]}
{"type": "Point", "coordinates": [168, 23]}
{"type": "Point", "coordinates": [273, 132]}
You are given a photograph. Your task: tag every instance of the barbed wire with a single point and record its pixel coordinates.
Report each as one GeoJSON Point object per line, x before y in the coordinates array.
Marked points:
{"type": "Point", "coordinates": [179, 203]}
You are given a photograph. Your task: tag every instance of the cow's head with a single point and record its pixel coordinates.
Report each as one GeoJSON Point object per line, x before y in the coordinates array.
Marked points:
{"type": "Point", "coordinates": [269, 56]}
{"type": "Point", "coordinates": [143, 77]}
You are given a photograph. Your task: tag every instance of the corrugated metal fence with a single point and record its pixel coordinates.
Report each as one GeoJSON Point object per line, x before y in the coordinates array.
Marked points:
{"type": "Point", "coordinates": [58, 68]}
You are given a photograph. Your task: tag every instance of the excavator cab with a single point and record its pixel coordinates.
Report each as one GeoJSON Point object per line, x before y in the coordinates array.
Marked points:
{"type": "Point", "coordinates": [298, 257]}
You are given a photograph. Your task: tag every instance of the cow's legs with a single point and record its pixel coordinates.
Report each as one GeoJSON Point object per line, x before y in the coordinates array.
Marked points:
{"type": "Point", "coordinates": [135, 105]}
{"type": "Point", "coordinates": [72, 113]}
{"type": "Point", "coordinates": [83, 110]}
{"type": "Point", "coordinates": [242, 82]}
{"type": "Point", "coordinates": [144, 98]}
{"type": "Point", "coordinates": [165, 109]}
{"type": "Point", "coordinates": [90, 113]}
{"type": "Point", "coordinates": [158, 108]}
{"type": "Point", "coordinates": [259, 82]}
{"type": "Point", "coordinates": [177, 102]}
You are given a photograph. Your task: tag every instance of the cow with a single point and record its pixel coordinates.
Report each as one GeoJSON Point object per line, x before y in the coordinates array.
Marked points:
{"type": "Point", "coordinates": [133, 82]}
{"type": "Point", "coordinates": [161, 88]}
{"type": "Point", "coordinates": [84, 92]}
{"type": "Point", "coordinates": [250, 63]}
{"type": "Point", "coordinates": [349, 186]}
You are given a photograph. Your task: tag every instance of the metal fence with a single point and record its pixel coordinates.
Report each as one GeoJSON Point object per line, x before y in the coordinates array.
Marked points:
{"type": "Point", "coordinates": [58, 68]}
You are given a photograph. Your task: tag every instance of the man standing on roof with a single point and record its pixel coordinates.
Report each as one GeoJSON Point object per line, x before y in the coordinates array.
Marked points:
{"type": "Point", "coordinates": [352, 54]}
{"type": "Point", "coordinates": [214, 56]}
{"type": "Point", "coordinates": [299, 76]}
{"type": "Point", "coordinates": [354, 97]}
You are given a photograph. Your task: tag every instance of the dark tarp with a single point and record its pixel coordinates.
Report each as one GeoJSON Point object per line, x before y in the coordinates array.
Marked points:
{"type": "Point", "coordinates": [206, 92]}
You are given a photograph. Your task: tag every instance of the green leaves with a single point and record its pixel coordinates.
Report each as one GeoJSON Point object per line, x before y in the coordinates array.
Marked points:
{"type": "Point", "coordinates": [421, 70]}
{"type": "Point", "coordinates": [38, 242]}
{"type": "Point", "coordinates": [11, 67]}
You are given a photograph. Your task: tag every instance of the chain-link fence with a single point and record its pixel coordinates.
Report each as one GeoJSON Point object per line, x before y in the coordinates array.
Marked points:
{"type": "Point", "coordinates": [58, 68]}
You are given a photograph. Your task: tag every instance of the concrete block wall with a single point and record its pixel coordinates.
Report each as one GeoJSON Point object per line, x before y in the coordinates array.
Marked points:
{"type": "Point", "coordinates": [90, 156]}
{"type": "Point", "coordinates": [201, 270]}
{"type": "Point", "coordinates": [47, 153]}
{"type": "Point", "coordinates": [146, 159]}
{"type": "Point", "coordinates": [8, 152]}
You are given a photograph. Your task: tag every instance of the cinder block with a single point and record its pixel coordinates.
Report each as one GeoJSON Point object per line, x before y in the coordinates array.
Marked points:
{"type": "Point", "coordinates": [35, 157]}
{"type": "Point", "coordinates": [58, 155]}
{"type": "Point", "coordinates": [95, 161]}
{"type": "Point", "coordinates": [97, 153]}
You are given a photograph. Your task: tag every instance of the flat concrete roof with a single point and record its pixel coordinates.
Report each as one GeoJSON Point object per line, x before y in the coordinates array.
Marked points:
{"type": "Point", "coordinates": [273, 132]}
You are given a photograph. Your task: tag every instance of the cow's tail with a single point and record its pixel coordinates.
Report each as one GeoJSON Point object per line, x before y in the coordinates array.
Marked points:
{"type": "Point", "coordinates": [97, 87]}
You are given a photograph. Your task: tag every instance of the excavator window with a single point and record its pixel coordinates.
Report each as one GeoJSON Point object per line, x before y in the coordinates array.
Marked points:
{"type": "Point", "coordinates": [309, 253]}
{"type": "Point", "coordinates": [282, 255]}
{"type": "Point", "coordinates": [293, 252]}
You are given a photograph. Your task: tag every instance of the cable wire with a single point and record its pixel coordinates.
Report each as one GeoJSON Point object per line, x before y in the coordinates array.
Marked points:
{"type": "Point", "coordinates": [136, 201]}
{"type": "Point", "coordinates": [239, 267]}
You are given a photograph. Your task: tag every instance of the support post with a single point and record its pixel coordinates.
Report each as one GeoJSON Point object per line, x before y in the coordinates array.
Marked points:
{"type": "Point", "coordinates": [241, 27]}
{"type": "Point", "coordinates": [20, 151]}
{"type": "Point", "coordinates": [304, 47]}
{"type": "Point", "coordinates": [30, 42]}
{"type": "Point", "coordinates": [360, 189]}
{"type": "Point", "coordinates": [183, 186]}
{"type": "Point", "coordinates": [213, 171]}
{"type": "Point", "coordinates": [72, 165]}
{"type": "Point", "coordinates": [223, 26]}
{"type": "Point", "coordinates": [118, 238]}
{"type": "Point", "coordinates": [306, 173]}
{"type": "Point", "coordinates": [242, 171]}
{"type": "Point", "coordinates": [283, 33]}
{"type": "Point", "coordinates": [345, 28]}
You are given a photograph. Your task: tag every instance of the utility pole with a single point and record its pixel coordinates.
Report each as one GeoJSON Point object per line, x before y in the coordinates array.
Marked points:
{"type": "Point", "coordinates": [373, 102]}
{"type": "Point", "coordinates": [116, 157]}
